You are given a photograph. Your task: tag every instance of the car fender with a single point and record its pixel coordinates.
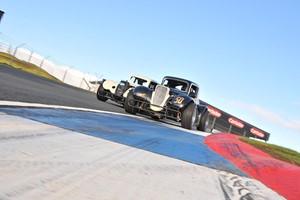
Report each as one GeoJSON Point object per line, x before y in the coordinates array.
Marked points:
{"type": "Point", "coordinates": [126, 93]}
{"type": "Point", "coordinates": [201, 110]}
{"type": "Point", "coordinates": [142, 93]}
{"type": "Point", "coordinates": [181, 101]}
{"type": "Point", "coordinates": [110, 85]}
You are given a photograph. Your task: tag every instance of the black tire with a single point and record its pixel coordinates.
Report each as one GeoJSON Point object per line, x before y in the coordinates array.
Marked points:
{"type": "Point", "coordinates": [204, 122]}
{"type": "Point", "coordinates": [189, 116]}
{"type": "Point", "coordinates": [100, 93]}
{"type": "Point", "coordinates": [128, 108]}
{"type": "Point", "coordinates": [154, 117]}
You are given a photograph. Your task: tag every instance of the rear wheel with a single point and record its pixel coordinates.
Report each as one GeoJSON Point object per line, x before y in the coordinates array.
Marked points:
{"type": "Point", "coordinates": [129, 101]}
{"type": "Point", "coordinates": [101, 93]}
{"type": "Point", "coordinates": [204, 122]}
{"type": "Point", "coordinates": [188, 117]}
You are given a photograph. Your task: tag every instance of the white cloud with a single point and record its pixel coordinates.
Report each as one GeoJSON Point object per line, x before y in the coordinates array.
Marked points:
{"type": "Point", "coordinates": [265, 114]}
{"type": "Point", "coordinates": [294, 124]}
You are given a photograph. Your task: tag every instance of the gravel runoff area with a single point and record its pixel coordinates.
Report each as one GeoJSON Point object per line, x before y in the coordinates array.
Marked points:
{"type": "Point", "coordinates": [41, 161]}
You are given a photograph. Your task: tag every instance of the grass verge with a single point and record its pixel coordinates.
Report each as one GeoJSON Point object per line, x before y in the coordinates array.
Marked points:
{"type": "Point", "coordinates": [11, 61]}
{"type": "Point", "coordinates": [275, 151]}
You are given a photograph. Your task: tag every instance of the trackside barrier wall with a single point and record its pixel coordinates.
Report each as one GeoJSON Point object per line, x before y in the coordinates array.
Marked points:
{"type": "Point", "coordinates": [66, 74]}
{"type": "Point", "coordinates": [224, 122]}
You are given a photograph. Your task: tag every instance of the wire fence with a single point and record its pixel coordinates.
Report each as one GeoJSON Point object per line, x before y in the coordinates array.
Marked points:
{"type": "Point", "coordinates": [66, 74]}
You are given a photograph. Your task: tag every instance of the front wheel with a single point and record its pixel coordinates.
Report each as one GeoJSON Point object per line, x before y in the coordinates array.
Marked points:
{"type": "Point", "coordinates": [188, 116]}
{"type": "Point", "coordinates": [101, 93]}
{"type": "Point", "coordinates": [204, 122]}
{"type": "Point", "coordinates": [129, 101]}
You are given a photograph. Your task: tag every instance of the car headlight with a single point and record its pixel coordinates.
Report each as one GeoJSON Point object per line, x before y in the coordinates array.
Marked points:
{"type": "Point", "coordinates": [142, 95]}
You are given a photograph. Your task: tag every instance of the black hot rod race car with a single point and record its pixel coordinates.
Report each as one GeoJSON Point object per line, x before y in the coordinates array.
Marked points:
{"type": "Point", "coordinates": [175, 99]}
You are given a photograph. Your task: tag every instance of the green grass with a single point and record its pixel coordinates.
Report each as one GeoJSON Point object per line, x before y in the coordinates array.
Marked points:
{"type": "Point", "coordinates": [275, 151]}
{"type": "Point", "coordinates": [10, 61]}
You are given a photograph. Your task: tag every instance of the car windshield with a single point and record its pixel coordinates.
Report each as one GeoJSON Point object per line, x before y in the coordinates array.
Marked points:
{"type": "Point", "coordinates": [179, 85]}
{"type": "Point", "coordinates": [138, 81]}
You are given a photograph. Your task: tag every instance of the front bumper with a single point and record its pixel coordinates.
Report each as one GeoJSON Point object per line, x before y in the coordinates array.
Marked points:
{"type": "Point", "coordinates": [166, 112]}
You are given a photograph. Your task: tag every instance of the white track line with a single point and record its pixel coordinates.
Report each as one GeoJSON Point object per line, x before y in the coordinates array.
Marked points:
{"type": "Point", "coordinates": [38, 105]}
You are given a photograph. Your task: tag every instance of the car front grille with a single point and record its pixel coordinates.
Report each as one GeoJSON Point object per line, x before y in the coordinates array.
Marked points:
{"type": "Point", "coordinates": [120, 90]}
{"type": "Point", "coordinates": [161, 94]}
{"type": "Point", "coordinates": [122, 87]}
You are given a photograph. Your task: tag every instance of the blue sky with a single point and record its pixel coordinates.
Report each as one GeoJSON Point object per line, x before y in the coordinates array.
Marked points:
{"type": "Point", "coordinates": [245, 55]}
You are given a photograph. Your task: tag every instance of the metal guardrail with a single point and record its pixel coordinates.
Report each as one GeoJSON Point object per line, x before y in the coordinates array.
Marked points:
{"type": "Point", "coordinates": [67, 74]}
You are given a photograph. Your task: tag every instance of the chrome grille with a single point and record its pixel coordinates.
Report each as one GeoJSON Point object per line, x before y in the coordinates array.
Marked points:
{"type": "Point", "coordinates": [160, 95]}
{"type": "Point", "coordinates": [120, 89]}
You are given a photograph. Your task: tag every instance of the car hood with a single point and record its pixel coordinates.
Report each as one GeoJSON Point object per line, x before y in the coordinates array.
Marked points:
{"type": "Point", "coordinates": [174, 91]}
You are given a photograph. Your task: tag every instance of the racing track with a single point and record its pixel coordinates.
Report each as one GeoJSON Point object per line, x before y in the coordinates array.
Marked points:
{"type": "Point", "coordinates": [20, 86]}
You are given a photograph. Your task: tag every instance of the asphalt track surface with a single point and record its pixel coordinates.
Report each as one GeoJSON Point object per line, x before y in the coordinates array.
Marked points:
{"type": "Point", "coordinates": [17, 85]}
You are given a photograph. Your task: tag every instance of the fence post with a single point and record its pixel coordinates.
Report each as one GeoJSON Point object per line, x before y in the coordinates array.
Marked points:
{"type": "Point", "coordinates": [230, 127]}
{"type": "Point", "coordinates": [30, 56]}
{"type": "Point", "coordinates": [86, 84]}
{"type": "Point", "coordinates": [15, 52]}
{"type": "Point", "coordinates": [41, 65]}
{"type": "Point", "coordinates": [213, 123]}
{"type": "Point", "coordinates": [16, 49]}
{"type": "Point", "coordinates": [81, 82]}
{"type": "Point", "coordinates": [66, 73]}
{"type": "Point", "coordinates": [9, 50]}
